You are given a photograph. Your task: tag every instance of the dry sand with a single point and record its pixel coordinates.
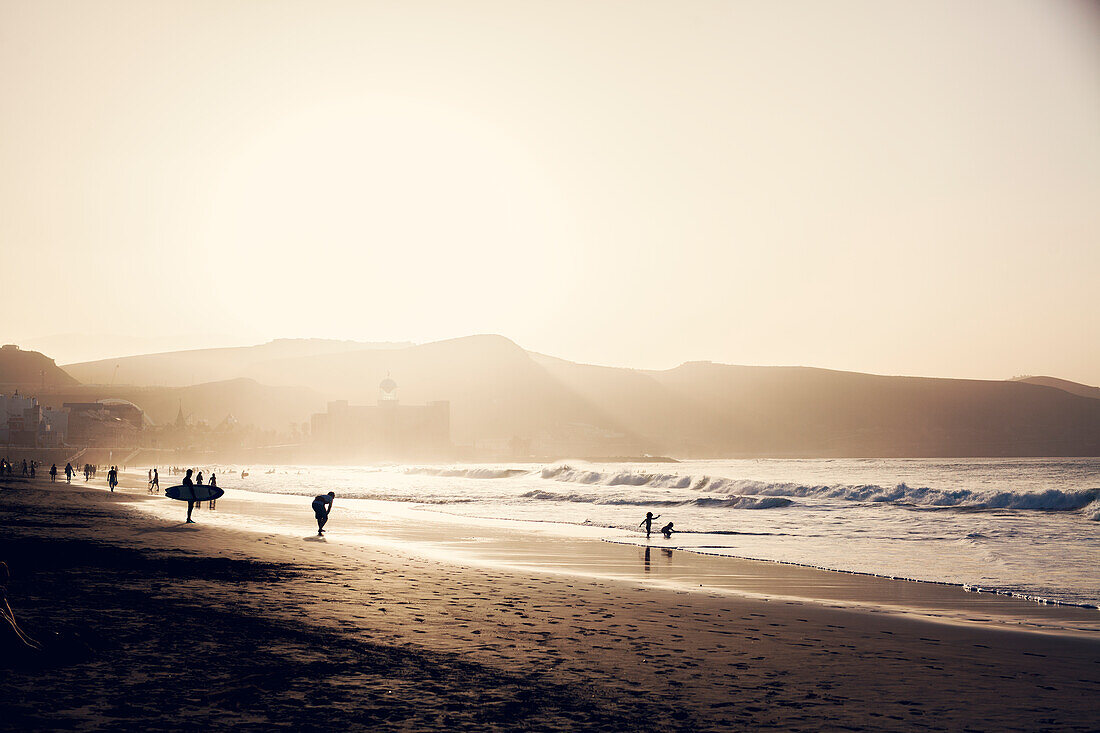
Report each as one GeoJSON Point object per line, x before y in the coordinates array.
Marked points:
{"type": "Point", "coordinates": [150, 623]}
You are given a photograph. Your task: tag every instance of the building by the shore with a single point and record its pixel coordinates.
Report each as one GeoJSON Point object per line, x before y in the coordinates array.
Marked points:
{"type": "Point", "coordinates": [107, 423]}
{"type": "Point", "coordinates": [387, 430]}
{"type": "Point", "coordinates": [26, 424]}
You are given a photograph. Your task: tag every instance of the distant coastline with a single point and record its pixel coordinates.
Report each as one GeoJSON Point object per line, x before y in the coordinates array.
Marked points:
{"type": "Point", "coordinates": [506, 404]}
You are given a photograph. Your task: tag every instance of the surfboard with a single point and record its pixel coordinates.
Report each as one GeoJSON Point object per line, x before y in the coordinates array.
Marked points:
{"type": "Point", "coordinates": [201, 492]}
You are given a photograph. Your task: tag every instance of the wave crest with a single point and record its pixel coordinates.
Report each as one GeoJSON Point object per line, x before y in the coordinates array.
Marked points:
{"type": "Point", "coordinates": [731, 502]}
{"type": "Point", "coordinates": [468, 472]}
{"type": "Point", "coordinates": [1054, 500]}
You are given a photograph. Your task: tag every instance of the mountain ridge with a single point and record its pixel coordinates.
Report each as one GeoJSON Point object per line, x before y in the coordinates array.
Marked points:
{"type": "Point", "coordinates": [501, 392]}
{"type": "Point", "coordinates": [1081, 390]}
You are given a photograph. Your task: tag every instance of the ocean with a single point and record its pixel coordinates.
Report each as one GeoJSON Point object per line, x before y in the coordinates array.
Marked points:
{"type": "Point", "coordinates": [1029, 528]}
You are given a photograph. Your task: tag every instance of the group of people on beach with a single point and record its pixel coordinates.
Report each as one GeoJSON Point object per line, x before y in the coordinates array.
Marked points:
{"type": "Point", "coordinates": [191, 483]}
{"type": "Point", "coordinates": [29, 469]}
{"type": "Point", "coordinates": [322, 503]}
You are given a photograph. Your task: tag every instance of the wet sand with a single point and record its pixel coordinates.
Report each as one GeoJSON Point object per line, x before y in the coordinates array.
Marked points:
{"type": "Point", "coordinates": [415, 626]}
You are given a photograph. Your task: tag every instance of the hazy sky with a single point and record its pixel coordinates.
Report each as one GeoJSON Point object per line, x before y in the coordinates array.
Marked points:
{"type": "Point", "coordinates": [895, 187]}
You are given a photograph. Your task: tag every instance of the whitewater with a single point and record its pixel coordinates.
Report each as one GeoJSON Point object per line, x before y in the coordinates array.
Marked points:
{"type": "Point", "coordinates": [1029, 528]}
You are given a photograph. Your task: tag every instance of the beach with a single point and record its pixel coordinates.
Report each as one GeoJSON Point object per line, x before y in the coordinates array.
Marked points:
{"type": "Point", "coordinates": [246, 619]}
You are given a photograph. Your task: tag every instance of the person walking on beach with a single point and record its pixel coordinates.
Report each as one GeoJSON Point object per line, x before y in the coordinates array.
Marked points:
{"type": "Point", "coordinates": [213, 485]}
{"type": "Point", "coordinates": [25, 467]}
{"type": "Point", "coordinates": [69, 471]}
{"type": "Point", "coordinates": [322, 507]}
{"type": "Point", "coordinates": [198, 482]}
{"type": "Point", "coordinates": [190, 502]}
{"type": "Point", "coordinates": [648, 522]}
{"type": "Point", "coordinates": [154, 485]}
{"type": "Point", "coordinates": [112, 477]}
{"type": "Point", "coordinates": [53, 473]}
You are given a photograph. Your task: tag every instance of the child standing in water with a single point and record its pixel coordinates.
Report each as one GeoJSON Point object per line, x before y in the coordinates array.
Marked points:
{"type": "Point", "coordinates": [648, 522]}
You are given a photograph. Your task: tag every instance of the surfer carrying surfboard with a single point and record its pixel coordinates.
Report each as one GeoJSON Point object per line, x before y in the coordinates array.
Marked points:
{"type": "Point", "coordinates": [322, 506]}
{"type": "Point", "coordinates": [191, 499]}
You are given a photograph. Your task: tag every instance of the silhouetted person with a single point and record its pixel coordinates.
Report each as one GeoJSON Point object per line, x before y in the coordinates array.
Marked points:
{"type": "Point", "coordinates": [24, 466]}
{"type": "Point", "coordinates": [69, 473]}
{"type": "Point", "coordinates": [53, 473]}
{"type": "Point", "coordinates": [190, 501]}
{"type": "Point", "coordinates": [155, 484]}
{"type": "Point", "coordinates": [112, 477]}
{"type": "Point", "coordinates": [648, 522]}
{"type": "Point", "coordinates": [213, 485]}
{"type": "Point", "coordinates": [322, 506]}
{"type": "Point", "coordinates": [667, 531]}
{"type": "Point", "coordinates": [198, 482]}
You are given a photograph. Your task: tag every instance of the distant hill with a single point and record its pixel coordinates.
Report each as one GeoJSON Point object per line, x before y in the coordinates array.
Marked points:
{"type": "Point", "coordinates": [182, 368]}
{"type": "Point", "coordinates": [819, 412]}
{"type": "Point", "coordinates": [1081, 390]}
{"type": "Point", "coordinates": [499, 391]}
{"type": "Point", "coordinates": [30, 370]}
{"type": "Point", "coordinates": [496, 389]}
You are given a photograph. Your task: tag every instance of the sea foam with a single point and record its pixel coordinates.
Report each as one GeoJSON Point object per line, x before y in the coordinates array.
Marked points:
{"type": "Point", "coordinates": [1048, 500]}
{"type": "Point", "coordinates": [469, 472]}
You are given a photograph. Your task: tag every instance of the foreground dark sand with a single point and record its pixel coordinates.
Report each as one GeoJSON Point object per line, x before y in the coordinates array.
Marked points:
{"type": "Point", "coordinates": [159, 625]}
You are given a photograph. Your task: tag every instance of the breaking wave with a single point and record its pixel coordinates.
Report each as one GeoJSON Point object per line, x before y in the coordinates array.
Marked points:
{"type": "Point", "coordinates": [469, 472]}
{"type": "Point", "coordinates": [731, 502]}
{"type": "Point", "coordinates": [1053, 500]}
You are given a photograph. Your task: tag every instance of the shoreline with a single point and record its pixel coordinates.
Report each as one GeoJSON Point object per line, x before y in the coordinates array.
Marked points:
{"type": "Point", "coordinates": [965, 587]}
{"type": "Point", "coordinates": [551, 650]}
{"type": "Point", "coordinates": [425, 530]}
{"type": "Point", "coordinates": [956, 524]}
{"type": "Point", "coordinates": [518, 544]}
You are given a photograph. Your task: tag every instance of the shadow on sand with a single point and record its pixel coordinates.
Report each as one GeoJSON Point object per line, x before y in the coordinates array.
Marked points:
{"type": "Point", "coordinates": [181, 527]}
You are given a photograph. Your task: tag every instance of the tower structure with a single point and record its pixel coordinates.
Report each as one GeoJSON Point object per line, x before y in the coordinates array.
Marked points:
{"type": "Point", "coordinates": [387, 391]}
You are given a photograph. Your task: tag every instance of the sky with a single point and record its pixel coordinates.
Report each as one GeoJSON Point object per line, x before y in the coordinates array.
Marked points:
{"type": "Point", "coordinates": [890, 187]}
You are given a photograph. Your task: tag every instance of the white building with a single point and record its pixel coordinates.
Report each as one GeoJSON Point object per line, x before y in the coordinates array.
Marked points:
{"type": "Point", "coordinates": [25, 423]}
